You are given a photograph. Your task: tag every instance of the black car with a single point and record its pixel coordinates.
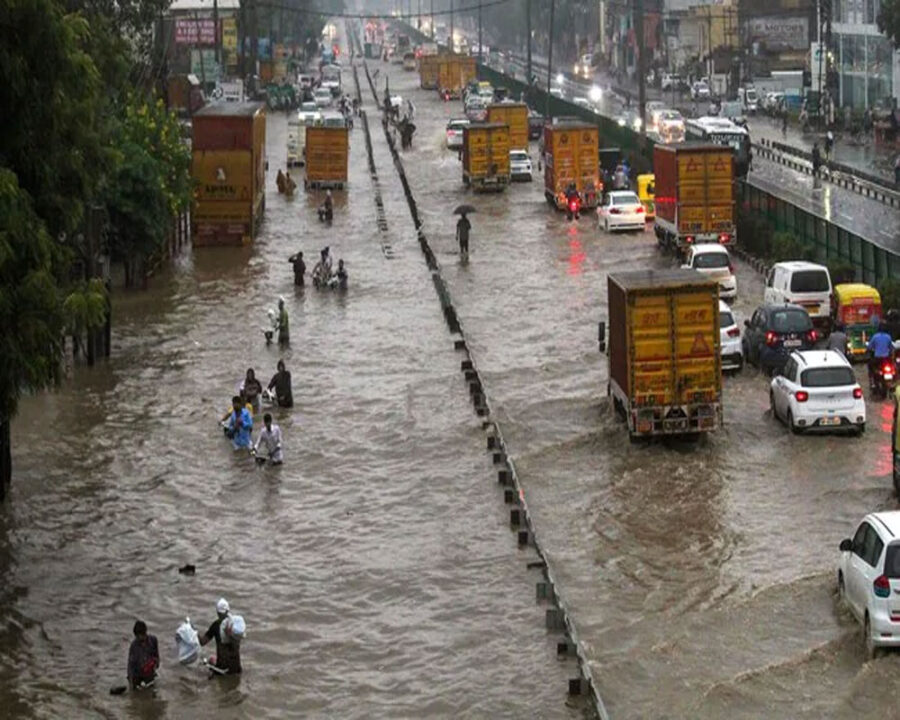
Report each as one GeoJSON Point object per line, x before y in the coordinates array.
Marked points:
{"type": "Point", "coordinates": [774, 332]}
{"type": "Point", "coordinates": [535, 125]}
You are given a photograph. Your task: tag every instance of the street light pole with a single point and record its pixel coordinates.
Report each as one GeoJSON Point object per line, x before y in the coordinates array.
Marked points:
{"type": "Point", "coordinates": [549, 60]}
{"type": "Point", "coordinates": [480, 57]}
{"type": "Point", "coordinates": [452, 41]}
{"type": "Point", "coordinates": [639, 46]}
{"type": "Point", "coordinates": [528, 23]}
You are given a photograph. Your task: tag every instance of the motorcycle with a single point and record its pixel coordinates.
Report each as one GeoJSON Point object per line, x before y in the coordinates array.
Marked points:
{"type": "Point", "coordinates": [326, 213]}
{"type": "Point", "coordinates": [323, 277]}
{"type": "Point", "coordinates": [573, 208]}
{"type": "Point", "coordinates": [883, 377]}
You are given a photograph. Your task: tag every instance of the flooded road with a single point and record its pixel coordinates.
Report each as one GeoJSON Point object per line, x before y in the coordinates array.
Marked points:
{"type": "Point", "coordinates": [702, 577]}
{"type": "Point", "coordinates": [375, 569]}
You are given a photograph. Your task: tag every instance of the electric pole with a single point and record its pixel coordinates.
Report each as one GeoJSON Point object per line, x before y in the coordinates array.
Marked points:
{"type": "Point", "coordinates": [642, 75]}
{"type": "Point", "coordinates": [480, 58]}
{"type": "Point", "coordinates": [215, 29]}
{"type": "Point", "coordinates": [549, 60]}
{"type": "Point", "coordinates": [452, 41]}
{"type": "Point", "coordinates": [432, 20]}
{"type": "Point", "coordinates": [528, 24]}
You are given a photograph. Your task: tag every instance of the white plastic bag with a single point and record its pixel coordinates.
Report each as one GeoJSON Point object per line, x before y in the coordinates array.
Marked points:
{"type": "Point", "coordinates": [187, 643]}
{"type": "Point", "coordinates": [233, 628]}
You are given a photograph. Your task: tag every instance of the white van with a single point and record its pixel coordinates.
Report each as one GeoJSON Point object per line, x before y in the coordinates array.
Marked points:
{"type": "Point", "coordinates": [801, 283]}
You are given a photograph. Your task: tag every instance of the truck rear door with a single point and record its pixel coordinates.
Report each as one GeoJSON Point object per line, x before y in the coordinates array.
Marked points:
{"type": "Point", "coordinates": [651, 371]}
{"type": "Point", "coordinates": [696, 366]}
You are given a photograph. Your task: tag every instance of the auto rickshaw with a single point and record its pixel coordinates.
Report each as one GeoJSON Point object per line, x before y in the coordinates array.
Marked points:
{"type": "Point", "coordinates": [858, 308]}
{"type": "Point", "coordinates": [895, 442]}
{"type": "Point", "coordinates": [647, 192]}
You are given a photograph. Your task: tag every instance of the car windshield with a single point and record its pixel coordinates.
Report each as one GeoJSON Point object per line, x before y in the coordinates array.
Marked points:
{"type": "Point", "coordinates": [827, 377]}
{"type": "Point", "coordinates": [624, 199]}
{"type": "Point", "coordinates": [711, 260]}
{"type": "Point", "coordinates": [809, 281]}
{"type": "Point", "coordinates": [670, 115]}
{"type": "Point", "coordinates": [784, 321]}
{"type": "Point", "coordinates": [519, 155]}
{"type": "Point", "coordinates": [725, 319]}
{"type": "Point", "coordinates": [892, 561]}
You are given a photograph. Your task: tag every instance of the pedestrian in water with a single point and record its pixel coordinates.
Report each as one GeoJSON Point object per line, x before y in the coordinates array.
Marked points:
{"type": "Point", "coordinates": [829, 144]}
{"type": "Point", "coordinates": [816, 159]}
{"type": "Point", "coordinates": [251, 389]}
{"type": "Point", "coordinates": [784, 121]}
{"type": "Point", "coordinates": [271, 441]}
{"type": "Point", "coordinates": [837, 341]}
{"type": "Point", "coordinates": [462, 235]}
{"type": "Point", "coordinates": [281, 381]}
{"type": "Point", "coordinates": [143, 657]}
{"type": "Point", "coordinates": [279, 181]}
{"type": "Point", "coordinates": [299, 268]}
{"type": "Point", "coordinates": [897, 171]}
{"type": "Point", "coordinates": [284, 335]}
{"type": "Point", "coordinates": [342, 275]}
{"type": "Point", "coordinates": [240, 424]}
{"type": "Point", "coordinates": [228, 647]}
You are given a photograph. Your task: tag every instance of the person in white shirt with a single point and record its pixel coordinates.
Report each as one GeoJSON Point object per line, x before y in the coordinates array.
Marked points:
{"type": "Point", "coordinates": [270, 440]}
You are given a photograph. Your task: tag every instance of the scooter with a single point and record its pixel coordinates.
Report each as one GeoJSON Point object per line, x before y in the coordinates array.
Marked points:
{"type": "Point", "coordinates": [883, 378]}
{"type": "Point", "coordinates": [573, 208]}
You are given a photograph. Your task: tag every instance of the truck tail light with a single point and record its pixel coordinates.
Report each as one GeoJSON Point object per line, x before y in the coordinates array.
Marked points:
{"type": "Point", "coordinates": [724, 238]}
{"type": "Point", "coordinates": [689, 239]}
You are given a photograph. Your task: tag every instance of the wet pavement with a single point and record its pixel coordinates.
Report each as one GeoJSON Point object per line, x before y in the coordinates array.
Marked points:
{"type": "Point", "coordinates": [375, 569]}
{"type": "Point", "coordinates": [702, 577]}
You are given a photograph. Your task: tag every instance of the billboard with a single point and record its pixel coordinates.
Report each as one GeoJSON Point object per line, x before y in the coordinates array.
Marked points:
{"type": "Point", "coordinates": [781, 33]}
{"type": "Point", "coordinates": [195, 32]}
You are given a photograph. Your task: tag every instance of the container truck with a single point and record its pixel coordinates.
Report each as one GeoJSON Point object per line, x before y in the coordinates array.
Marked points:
{"type": "Point", "coordinates": [694, 195]}
{"type": "Point", "coordinates": [486, 156]}
{"type": "Point", "coordinates": [327, 151]}
{"type": "Point", "coordinates": [570, 155]}
{"type": "Point", "coordinates": [515, 115]}
{"type": "Point", "coordinates": [228, 167]}
{"type": "Point", "coordinates": [665, 372]}
{"type": "Point", "coordinates": [428, 72]}
{"type": "Point", "coordinates": [454, 72]}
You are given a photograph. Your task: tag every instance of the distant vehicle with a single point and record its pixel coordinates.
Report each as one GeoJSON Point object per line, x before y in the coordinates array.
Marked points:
{"type": "Point", "coordinates": [455, 129]}
{"type": "Point", "coordinates": [584, 66]}
{"type": "Point", "coordinates": [772, 101]}
{"type": "Point", "coordinates": [801, 283]}
{"type": "Point", "coordinates": [556, 92]}
{"type": "Point", "coordinates": [333, 119]}
{"type": "Point", "coordinates": [700, 91]}
{"type": "Point", "coordinates": [520, 165]}
{"type": "Point", "coordinates": [323, 97]}
{"type": "Point", "coordinates": [713, 260]}
{"type": "Point", "coordinates": [670, 126]}
{"type": "Point", "coordinates": [308, 106]}
{"type": "Point", "coordinates": [817, 390]}
{"type": "Point", "coordinates": [729, 339]}
{"type": "Point", "coordinates": [305, 81]}
{"type": "Point", "coordinates": [652, 108]}
{"type": "Point", "coordinates": [749, 99]}
{"type": "Point", "coordinates": [774, 332]}
{"type": "Point", "coordinates": [409, 61]}
{"type": "Point", "coordinates": [630, 119]}
{"type": "Point", "coordinates": [869, 578]}
{"type": "Point", "coordinates": [670, 82]}
{"type": "Point", "coordinates": [734, 111]}
{"type": "Point", "coordinates": [621, 210]}
{"type": "Point", "coordinates": [722, 131]}
{"type": "Point", "coordinates": [476, 109]}
{"type": "Point", "coordinates": [331, 79]}
{"type": "Point", "coordinates": [535, 125]}
{"type": "Point", "coordinates": [584, 103]}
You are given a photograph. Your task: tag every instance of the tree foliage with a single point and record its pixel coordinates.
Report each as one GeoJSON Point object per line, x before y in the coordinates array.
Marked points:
{"type": "Point", "coordinates": [31, 314]}
{"type": "Point", "coordinates": [889, 20]}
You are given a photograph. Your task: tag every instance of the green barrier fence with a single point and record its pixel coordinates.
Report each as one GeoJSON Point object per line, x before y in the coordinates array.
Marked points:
{"type": "Point", "coordinates": [830, 241]}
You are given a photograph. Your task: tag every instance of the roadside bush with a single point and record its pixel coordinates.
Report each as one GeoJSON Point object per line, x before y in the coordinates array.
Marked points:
{"type": "Point", "coordinates": [841, 271]}
{"type": "Point", "coordinates": [754, 234]}
{"type": "Point", "coordinates": [787, 246]}
{"type": "Point", "coordinates": [890, 294]}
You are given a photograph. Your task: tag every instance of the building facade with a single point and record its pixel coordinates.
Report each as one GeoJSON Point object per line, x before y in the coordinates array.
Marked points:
{"type": "Point", "coordinates": [867, 65]}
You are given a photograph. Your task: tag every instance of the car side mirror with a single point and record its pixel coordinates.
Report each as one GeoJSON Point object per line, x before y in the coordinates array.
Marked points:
{"type": "Point", "coordinates": [846, 545]}
{"type": "Point", "coordinates": [746, 323]}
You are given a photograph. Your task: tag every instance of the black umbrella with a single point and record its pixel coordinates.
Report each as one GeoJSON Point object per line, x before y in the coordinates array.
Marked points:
{"type": "Point", "coordinates": [464, 210]}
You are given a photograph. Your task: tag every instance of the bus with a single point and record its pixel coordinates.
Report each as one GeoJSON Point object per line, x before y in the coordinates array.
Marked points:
{"type": "Point", "coordinates": [722, 131]}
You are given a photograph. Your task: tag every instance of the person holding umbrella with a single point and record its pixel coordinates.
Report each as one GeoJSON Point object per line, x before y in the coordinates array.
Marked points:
{"type": "Point", "coordinates": [462, 229]}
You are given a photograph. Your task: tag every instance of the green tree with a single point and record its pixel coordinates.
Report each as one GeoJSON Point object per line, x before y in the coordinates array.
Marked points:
{"type": "Point", "coordinates": [31, 313]}
{"type": "Point", "coordinates": [889, 20]}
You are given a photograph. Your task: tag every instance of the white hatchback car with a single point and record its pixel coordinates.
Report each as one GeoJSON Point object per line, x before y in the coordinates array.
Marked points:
{"type": "Point", "coordinates": [713, 260]}
{"type": "Point", "coordinates": [732, 350]}
{"type": "Point", "coordinates": [869, 578]}
{"type": "Point", "coordinates": [455, 129]}
{"type": "Point", "coordinates": [817, 390]}
{"type": "Point", "coordinates": [519, 165]}
{"type": "Point", "coordinates": [621, 210]}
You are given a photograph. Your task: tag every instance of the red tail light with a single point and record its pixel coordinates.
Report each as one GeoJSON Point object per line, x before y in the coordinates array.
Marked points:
{"type": "Point", "coordinates": [689, 239]}
{"type": "Point", "coordinates": [812, 336]}
{"type": "Point", "coordinates": [801, 395]}
{"type": "Point", "coordinates": [882, 586]}
{"type": "Point", "coordinates": [731, 268]}
{"type": "Point", "coordinates": [771, 338]}
{"type": "Point", "coordinates": [857, 393]}
{"type": "Point", "coordinates": [887, 370]}
{"type": "Point", "coordinates": [615, 211]}
{"type": "Point", "coordinates": [724, 238]}
{"type": "Point", "coordinates": [734, 332]}
{"type": "Point", "coordinates": [574, 204]}
{"type": "Point", "coordinates": [639, 209]}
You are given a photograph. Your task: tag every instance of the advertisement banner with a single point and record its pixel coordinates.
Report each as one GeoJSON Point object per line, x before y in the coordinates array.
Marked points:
{"type": "Point", "coordinates": [781, 33]}
{"type": "Point", "coordinates": [195, 32]}
{"type": "Point", "coordinates": [229, 35]}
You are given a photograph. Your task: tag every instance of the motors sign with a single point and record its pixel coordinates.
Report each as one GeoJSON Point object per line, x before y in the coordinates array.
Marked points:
{"type": "Point", "coordinates": [195, 32]}
{"type": "Point", "coordinates": [781, 33]}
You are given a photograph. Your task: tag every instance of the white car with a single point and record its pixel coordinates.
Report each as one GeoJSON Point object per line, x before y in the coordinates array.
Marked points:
{"type": "Point", "coordinates": [621, 210]}
{"type": "Point", "coordinates": [670, 82]}
{"type": "Point", "coordinates": [583, 102]}
{"type": "Point", "coordinates": [730, 339]}
{"type": "Point", "coordinates": [519, 165]}
{"type": "Point", "coordinates": [869, 578]}
{"type": "Point", "coordinates": [713, 261]}
{"type": "Point", "coordinates": [455, 129]}
{"type": "Point", "coordinates": [817, 390]}
{"type": "Point", "coordinates": [584, 66]}
{"type": "Point", "coordinates": [700, 91]}
{"type": "Point", "coordinates": [323, 97]}
{"type": "Point", "coordinates": [476, 109]}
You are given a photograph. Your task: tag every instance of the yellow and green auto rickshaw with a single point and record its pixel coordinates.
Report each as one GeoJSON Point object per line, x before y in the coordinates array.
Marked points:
{"type": "Point", "coordinates": [858, 308]}
{"type": "Point", "coordinates": [647, 193]}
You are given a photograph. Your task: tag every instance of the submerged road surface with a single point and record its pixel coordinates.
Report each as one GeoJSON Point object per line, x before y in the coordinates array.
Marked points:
{"type": "Point", "coordinates": [702, 577]}
{"type": "Point", "coordinates": [375, 569]}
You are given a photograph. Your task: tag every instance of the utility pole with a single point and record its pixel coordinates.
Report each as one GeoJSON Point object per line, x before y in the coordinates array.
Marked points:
{"type": "Point", "coordinates": [528, 24]}
{"type": "Point", "coordinates": [821, 53]}
{"type": "Point", "coordinates": [480, 57]}
{"type": "Point", "coordinates": [549, 61]}
{"type": "Point", "coordinates": [254, 45]}
{"type": "Point", "coordinates": [242, 37]}
{"type": "Point", "coordinates": [432, 20]}
{"type": "Point", "coordinates": [216, 30]}
{"type": "Point", "coordinates": [452, 41]}
{"type": "Point", "coordinates": [642, 74]}
{"type": "Point", "coordinates": [419, 18]}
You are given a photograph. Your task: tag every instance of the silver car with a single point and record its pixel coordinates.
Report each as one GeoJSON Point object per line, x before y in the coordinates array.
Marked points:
{"type": "Point", "coordinates": [519, 165]}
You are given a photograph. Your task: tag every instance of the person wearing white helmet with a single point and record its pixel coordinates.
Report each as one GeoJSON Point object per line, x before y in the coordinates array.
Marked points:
{"type": "Point", "coordinates": [228, 642]}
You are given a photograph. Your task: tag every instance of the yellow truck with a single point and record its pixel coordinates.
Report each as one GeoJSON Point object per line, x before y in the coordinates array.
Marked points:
{"type": "Point", "coordinates": [327, 151]}
{"type": "Point", "coordinates": [486, 156]}
{"type": "Point", "coordinates": [516, 116]}
{"type": "Point", "coordinates": [429, 65]}
{"type": "Point", "coordinates": [665, 370]}
{"type": "Point", "coordinates": [454, 73]}
{"type": "Point", "coordinates": [694, 198]}
{"type": "Point", "coordinates": [570, 155]}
